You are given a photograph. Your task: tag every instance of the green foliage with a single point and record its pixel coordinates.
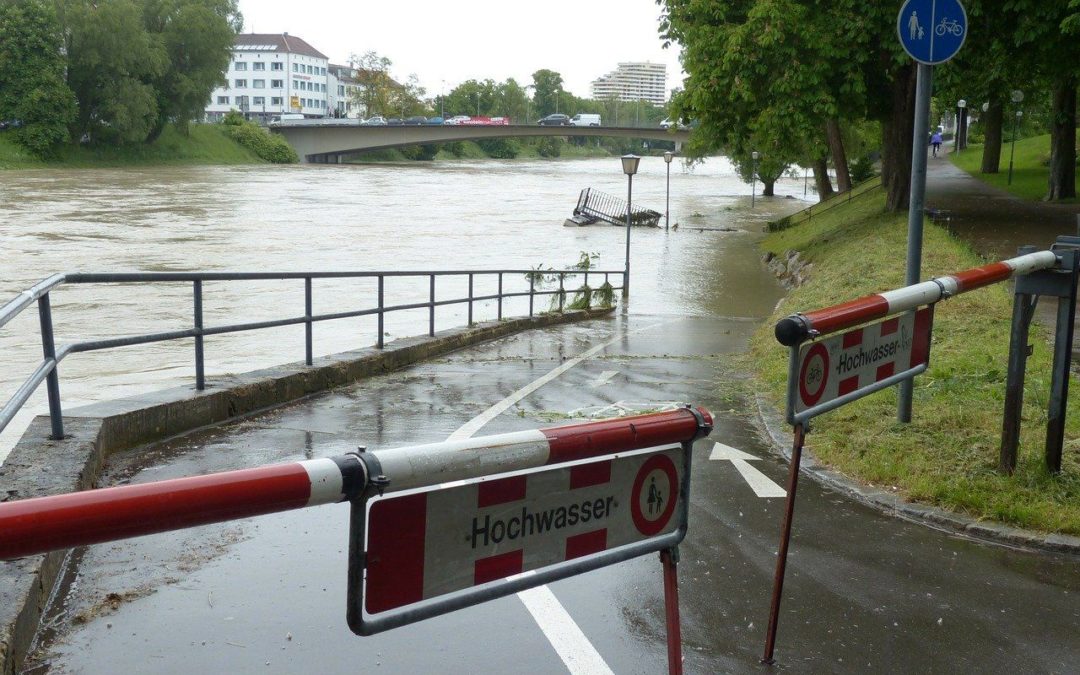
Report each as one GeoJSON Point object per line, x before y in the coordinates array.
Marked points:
{"type": "Point", "coordinates": [584, 297]}
{"type": "Point", "coordinates": [946, 455]}
{"type": "Point", "coordinates": [264, 144]}
{"type": "Point", "coordinates": [500, 148]}
{"type": "Point", "coordinates": [1030, 167]}
{"type": "Point", "coordinates": [32, 88]}
{"type": "Point", "coordinates": [550, 146]}
{"type": "Point", "coordinates": [423, 153]}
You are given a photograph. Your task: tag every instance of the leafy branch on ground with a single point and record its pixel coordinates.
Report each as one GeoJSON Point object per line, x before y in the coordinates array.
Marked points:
{"type": "Point", "coordinates": [584, 296]}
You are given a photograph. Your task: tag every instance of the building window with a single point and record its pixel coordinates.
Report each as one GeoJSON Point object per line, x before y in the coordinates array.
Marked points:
{"type": "Point", "coordinates": [341, 90]}
{"type": "Point", "coordinates": [296, 84]}
{"type": "Point", "coordinates": [240, 84]}
{"type": "Point", "coordinates": [277, 65]}
{"type": "Point", "coordinates": [275, 100]}
{"type": "Point", "coordinates": [258, 65]}
{"type": "Point", "coordinates": [258, 84]}
{"type": "Point", "coordinates": [277, 84]}
{"type": "Point", "coordinates": [241, 65]}
{"type": "Point", "coordinates": [310, 70]}
{"type": "Point", "coordinates": [223, 100]}
{"type": "Point", "coordinates": [295, 68]}
{"type": "Point", "coordinates": [258, 100]}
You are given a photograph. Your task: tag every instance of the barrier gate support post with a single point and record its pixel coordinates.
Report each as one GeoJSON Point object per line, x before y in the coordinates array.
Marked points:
{"type": "Point", "coordinates": [1029, 288]}
{"type": "Point", "coordinates": [670, 559]}
{"type": "Point", "coordinates": [785, 538]}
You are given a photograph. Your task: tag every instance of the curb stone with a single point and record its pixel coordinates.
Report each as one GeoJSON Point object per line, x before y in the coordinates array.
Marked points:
{"type": "Point", "coordinates": [781, 439]}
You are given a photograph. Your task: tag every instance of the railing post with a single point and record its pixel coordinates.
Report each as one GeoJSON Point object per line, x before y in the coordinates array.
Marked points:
{"type": "Point", "coordinates": [200, 372]}
{"type": "Point", "coordinates": [52, 380]}
{"type": "Point", "coordinates": [562, 292]}
{"type": "Point", "coordinates": [470, 298]}
{"type": "Point", "coordinates": [431, 309]}
{"type": "Point", "coordinates": [532, 293]}
{"type": "Point", "coordinates": [500, 295]}
{"type": "Point", "coordinates": [379, 341]}
{"type": "Point", "coordinates": [307, 324]}
{"type": "Point", "coordinates": [588, 292]}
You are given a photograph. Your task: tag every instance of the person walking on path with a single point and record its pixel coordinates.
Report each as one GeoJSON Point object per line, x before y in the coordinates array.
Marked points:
{"type": "Point", "coordinates": [935, 141]}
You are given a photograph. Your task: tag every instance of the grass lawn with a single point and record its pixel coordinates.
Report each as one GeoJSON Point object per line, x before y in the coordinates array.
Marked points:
{"type": "Point", "coordinates": [206, 144]}
{"type": "Point", "coordinates": [1030, 170]}
{"type": "Point", "coordinates": [948, 455]}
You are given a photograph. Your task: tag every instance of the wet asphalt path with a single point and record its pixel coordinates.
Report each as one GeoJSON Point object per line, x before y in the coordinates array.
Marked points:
{"type": "Point", "coordinates": [864, 592]}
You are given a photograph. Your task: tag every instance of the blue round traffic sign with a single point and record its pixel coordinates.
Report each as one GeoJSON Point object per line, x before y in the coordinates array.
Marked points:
{"type": "Point", "coordinates": [932, 31]}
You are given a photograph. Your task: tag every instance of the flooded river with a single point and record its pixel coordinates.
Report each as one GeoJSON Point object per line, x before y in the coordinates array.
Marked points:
{"type": "Point", "coordinates": [437, 216]}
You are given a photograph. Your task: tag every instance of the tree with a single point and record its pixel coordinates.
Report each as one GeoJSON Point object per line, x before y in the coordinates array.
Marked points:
{"type": "Point", "coordinates": [783, 71]}
{"type": "Point", "coordinates": [32, 88]}
{"type": "Point", "coordinates": [197, 37]}
{"type": "Point", "coordinates": [376, 86]}
{"type": "Point", "coordinates": [549, 92]}
{"type": "Point", "coordinates": [112, 60]}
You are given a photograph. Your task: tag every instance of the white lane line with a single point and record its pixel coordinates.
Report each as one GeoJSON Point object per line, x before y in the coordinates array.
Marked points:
{"type": "Point", "coordinates": [759, 482]}
{"type": "Point", "coordinates": [475, 424]}
{"type": "Point", "coordinates": [575, 650]}
{"type": "Point", "coordinates": [604, 378]}
{"type": "Point", "coordinates": [565, 636]}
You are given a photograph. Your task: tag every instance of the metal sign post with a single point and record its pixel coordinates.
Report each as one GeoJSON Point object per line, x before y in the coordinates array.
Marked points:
{"type": "Point", "coordinates": [931, 32]}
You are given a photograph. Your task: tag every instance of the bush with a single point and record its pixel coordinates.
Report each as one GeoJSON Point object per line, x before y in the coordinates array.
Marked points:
{"type": "Point", "coordinates": [500, 148]}
{"type": "Point", "coordinates": [861, 170]}
{"type": "Point", "coordinates": [423, 153]}
{"type": "Point", "coordinates": [267, 146]}
{"type": "Point", "coordinates": [549, 147]}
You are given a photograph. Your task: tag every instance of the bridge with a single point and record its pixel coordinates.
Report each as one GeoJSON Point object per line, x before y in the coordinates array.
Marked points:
{"type": "Point", "coordinates": [325, 141]}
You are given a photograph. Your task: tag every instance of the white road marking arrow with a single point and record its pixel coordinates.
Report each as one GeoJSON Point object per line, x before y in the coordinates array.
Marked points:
{"type": "Point", "coordinates": [758, 482]}
{"type": "Point", "coordinates": [604, 378]}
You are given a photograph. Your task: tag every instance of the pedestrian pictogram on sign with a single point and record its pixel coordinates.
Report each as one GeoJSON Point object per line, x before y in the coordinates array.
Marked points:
{"type": "Point", "coordinates": [452, 539]}
{"type": "Point", "coordinates": [932, 31]}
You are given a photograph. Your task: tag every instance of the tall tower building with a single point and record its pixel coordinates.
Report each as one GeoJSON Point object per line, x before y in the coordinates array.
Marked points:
{"type": "Point", "coordinates": [633, 81]}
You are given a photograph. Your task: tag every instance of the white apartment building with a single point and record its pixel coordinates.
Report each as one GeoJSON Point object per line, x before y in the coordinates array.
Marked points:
{"type": "Point", "coordinates": [634, 81]}
{"type": "Point", "coordinates": [271, 74]}
{"type": "Point", "coordinates": [343, 87]}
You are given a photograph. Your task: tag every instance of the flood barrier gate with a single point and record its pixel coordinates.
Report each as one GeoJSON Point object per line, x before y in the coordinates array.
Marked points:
{"type": "Point", "coordinates": [434, 528]}
{"type": "Point", "coordinates": [827, 373]}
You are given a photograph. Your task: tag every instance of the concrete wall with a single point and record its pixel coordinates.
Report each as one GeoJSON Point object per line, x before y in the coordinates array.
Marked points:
{"type": "Point", "coordinates": [38, 466]}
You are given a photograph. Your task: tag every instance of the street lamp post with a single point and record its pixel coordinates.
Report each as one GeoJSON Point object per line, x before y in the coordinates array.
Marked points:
{"type": "Point", "coordinates": [528, 103]}
{"type": "Point", "coordinates": [1017, 97]}
{"type": "Point", "coordinates": [629, 167]}
{"type": "Point", "coordinates": [478, 104]}
{"type": "Point", "coordinates": [753, 178]}
{"type": "Point", "coordinates": [667, 193]}
{"type": "Point", "coordinates": [960, 124]}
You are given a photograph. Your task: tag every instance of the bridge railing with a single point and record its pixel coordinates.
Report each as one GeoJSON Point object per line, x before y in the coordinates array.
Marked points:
{"type": "Point", "coordinates": [40, 293]}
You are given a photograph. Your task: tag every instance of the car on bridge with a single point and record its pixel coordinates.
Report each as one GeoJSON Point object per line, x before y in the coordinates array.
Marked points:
{"type": "Point", "coordinates": [458, 119]}
{"type": "Point", "coordinates": [374, 120]}
{"type": "Point", "coordinates": [555, 120]}
{"type": "Point", "coordinates": [415, 119]}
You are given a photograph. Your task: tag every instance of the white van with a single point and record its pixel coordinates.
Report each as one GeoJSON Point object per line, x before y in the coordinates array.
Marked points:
{"type": "Point", "coordinates": [585, 120]}
{"type": "Point", "coordinates": [285, 117]}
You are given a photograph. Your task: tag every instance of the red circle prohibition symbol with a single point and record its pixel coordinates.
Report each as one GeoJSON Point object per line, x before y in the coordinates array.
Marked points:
{"type": "Point", "coordinates": [641, 521]}
{"type": "Point", "coordinates": [812, 396]}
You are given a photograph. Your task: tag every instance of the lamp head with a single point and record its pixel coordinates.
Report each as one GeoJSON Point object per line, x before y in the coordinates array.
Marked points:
{"type": "Point", "coordinates": [961, 103]}
{"type": "Point", "coordinates": [1017, 96]}
{"type": "Point", "coordinates": [1019, 114]}
{"type": "Point", "coordinates": [755, 155]}
{"type": "Point", "coordinates": [667, 157]}
{"type": "Point", "coordinates": [630, 164]}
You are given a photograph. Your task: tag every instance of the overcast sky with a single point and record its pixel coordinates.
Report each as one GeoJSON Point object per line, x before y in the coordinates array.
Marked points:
{"type": "Point", "coordinates": [453, 41]}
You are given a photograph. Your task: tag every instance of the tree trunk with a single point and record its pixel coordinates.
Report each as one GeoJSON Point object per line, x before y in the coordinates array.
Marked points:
{"type": "Point", "coordinates": [992, 121]}
{"type": "Point", "coordinates": [896, 131]}
{"type": "Point", "coordinates": [767, 191]}
{"type": "Point", "coordinates": [839, 157]}
{"type": "Point", "coordinates": [1063, 140]}
{"type": "Point", "coordinates": [821, 179]}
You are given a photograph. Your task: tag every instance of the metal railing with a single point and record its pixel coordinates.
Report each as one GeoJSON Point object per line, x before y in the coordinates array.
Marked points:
{"type": "Point", "coordinates": [46, 371]}
{"type": "Point", "coordinates": [609, 209]}
{"type": "Point", "coordinates": [821, 207]}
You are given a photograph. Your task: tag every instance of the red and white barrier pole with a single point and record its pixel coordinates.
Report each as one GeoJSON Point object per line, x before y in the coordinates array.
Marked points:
{"type": "Point", "coordinates": [42, 524]}
{"type": "Point", "coordinates": [797, 328]}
